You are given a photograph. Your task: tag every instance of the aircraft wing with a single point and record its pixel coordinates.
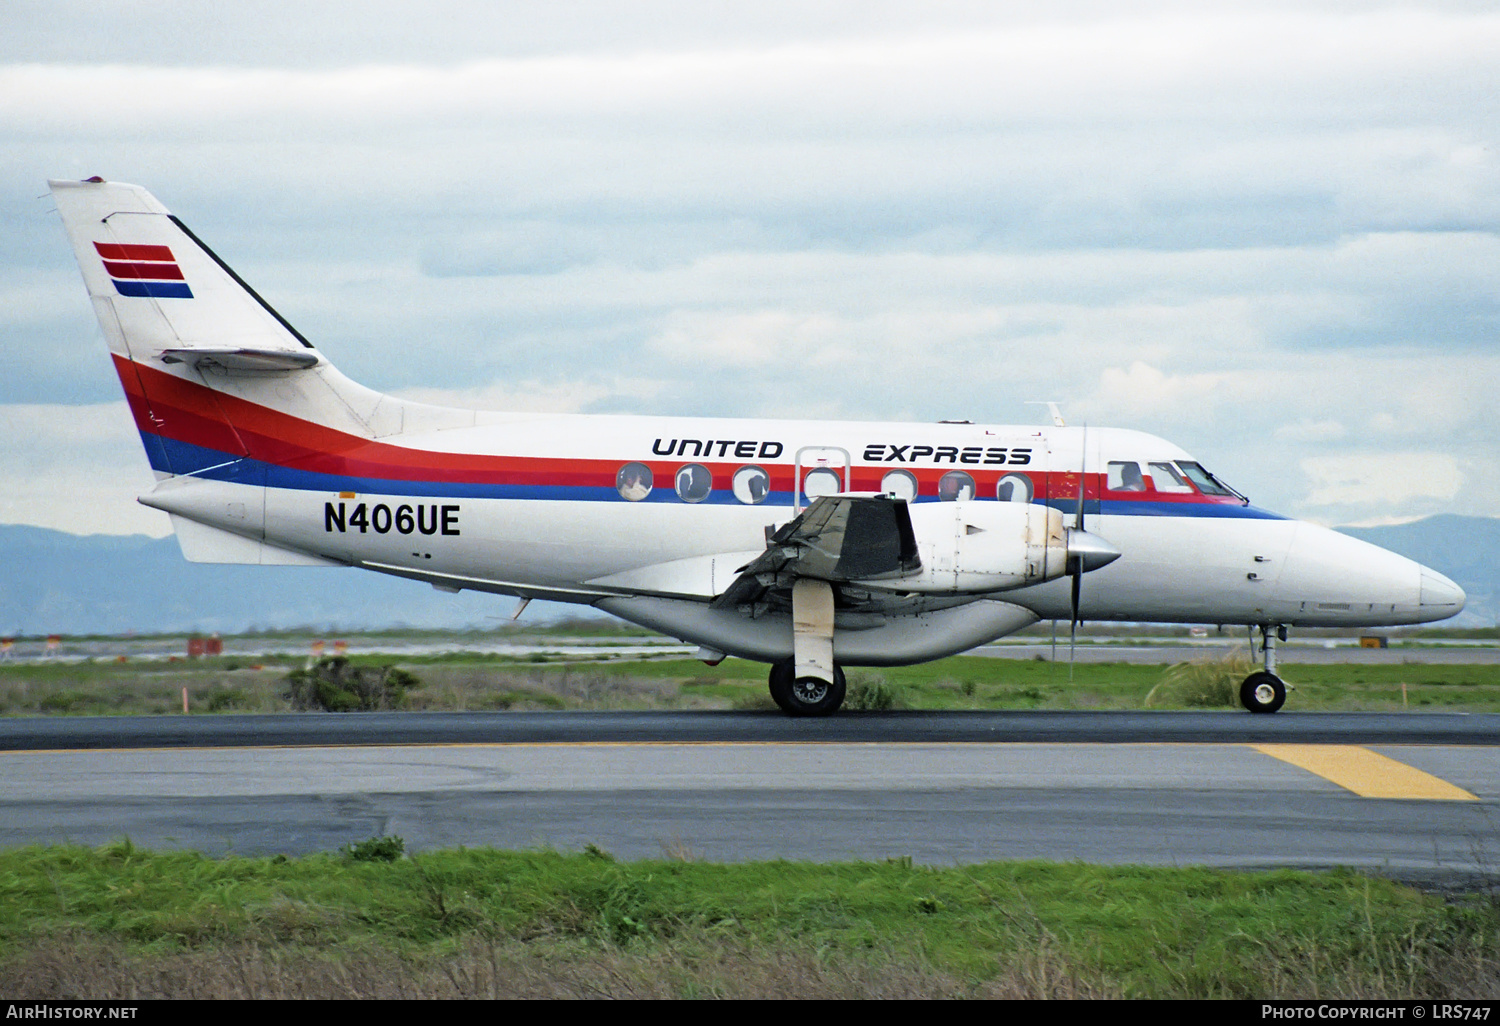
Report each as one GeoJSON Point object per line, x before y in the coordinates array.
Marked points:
{"type": "Point", "coordinates": [837, 538]}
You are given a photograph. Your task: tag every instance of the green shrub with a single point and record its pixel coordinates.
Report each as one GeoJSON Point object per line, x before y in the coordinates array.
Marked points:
{"type": "Point", "coordinates": [1203, 683]}
{"type": "Point", "coordinates": [333, 684]}
{"type": "Point", "coordinates": [228, 698]}
{"type": "Point", "coordinates": [388, 848]}
{"type": "Point", "coordinates": [872, 694]}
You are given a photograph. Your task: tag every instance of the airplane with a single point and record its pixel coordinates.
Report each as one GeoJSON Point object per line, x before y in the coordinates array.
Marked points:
{"type": "Point", "coordinates": [808, 545]}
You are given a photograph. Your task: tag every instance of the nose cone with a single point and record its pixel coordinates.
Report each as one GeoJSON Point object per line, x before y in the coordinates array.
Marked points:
{"type": "Point", "coordinates": [1333, 580]}
{"type": "Point", "coordinates": [1440, 593]}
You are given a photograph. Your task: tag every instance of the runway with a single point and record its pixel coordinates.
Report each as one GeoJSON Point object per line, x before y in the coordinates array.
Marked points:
{"type": "Point", "coordinates": [1114, 727]}
{"type": "Point", "coordinates": [1219, 789]}
{"type": "Point", "coordinates": [1159, 654]}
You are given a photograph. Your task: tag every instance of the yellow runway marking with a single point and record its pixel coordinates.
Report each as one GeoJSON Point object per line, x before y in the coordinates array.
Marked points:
{"type": "Point", "coordinates": [1366, 773]}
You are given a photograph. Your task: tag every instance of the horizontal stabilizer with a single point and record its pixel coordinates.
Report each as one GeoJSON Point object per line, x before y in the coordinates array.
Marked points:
{"type": "Point", "coordinates": [232, 358]}
{"type": "Point", "coordinates": [201, 543]}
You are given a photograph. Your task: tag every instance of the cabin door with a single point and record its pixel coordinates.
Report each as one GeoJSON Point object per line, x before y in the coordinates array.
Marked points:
{"type": "Point", "coordinates": [821, 470]}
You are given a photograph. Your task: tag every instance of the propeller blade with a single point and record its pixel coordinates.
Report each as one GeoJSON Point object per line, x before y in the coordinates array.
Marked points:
{"type": "Point", "coordinates": [1078, 564]}
{"type": "Point", "coordinates": [1073, 625]}
{"type": "Point", "coordinates": [1083, 466]}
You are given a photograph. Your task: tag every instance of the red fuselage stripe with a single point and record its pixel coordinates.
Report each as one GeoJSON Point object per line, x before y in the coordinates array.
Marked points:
{"type": "Point", "coordinates": [189, 412]}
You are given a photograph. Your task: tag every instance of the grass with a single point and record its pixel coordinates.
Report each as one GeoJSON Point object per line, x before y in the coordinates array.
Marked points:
{"type": "Point", "coordinates": [477, 682]}
{"type": "Point", "coordinates": [122, 922]}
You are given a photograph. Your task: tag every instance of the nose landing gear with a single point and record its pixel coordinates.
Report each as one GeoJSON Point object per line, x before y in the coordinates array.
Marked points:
{"type": "Point", "coordinates": [1263, 691]}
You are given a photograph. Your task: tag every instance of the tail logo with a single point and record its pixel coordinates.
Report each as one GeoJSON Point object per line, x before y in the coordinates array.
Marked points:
{"type": "Point", "coordinates": [144, 271]}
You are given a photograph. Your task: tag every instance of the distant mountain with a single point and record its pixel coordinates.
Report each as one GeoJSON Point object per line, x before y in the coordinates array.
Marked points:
{"type": "Point", "coordinates": [51, 582]}
{"type": "Point", "coordinates": [1466, 549]}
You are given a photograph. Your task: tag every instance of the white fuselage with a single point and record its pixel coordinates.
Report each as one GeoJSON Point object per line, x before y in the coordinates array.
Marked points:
{"type": "Point", "coordinates": [540, 515]}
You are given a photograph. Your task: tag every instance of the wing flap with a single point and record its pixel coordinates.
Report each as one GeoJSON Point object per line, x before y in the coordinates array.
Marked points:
{"type": "Point", "coordinates": [838, 538]}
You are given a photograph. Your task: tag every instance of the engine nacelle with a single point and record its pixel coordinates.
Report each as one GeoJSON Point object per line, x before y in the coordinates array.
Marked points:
{"type": "Point", "coordinates": [977, 547]}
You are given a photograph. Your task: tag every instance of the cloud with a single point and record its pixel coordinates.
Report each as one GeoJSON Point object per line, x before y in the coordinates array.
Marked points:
{"type": "Point", "coordinates": [531, 247]}
{"type": "Point", "coordinates": [530, 396]}
{"type": "Point", "coordinates": [1268, 232]}
{"type": "Point", "coordinates": [1191, 129]}
{"type": "Point", "coordinates": [76, 469]}
{"type": "Point", "coordinates": [1311, 431]}
{"type": "Point", "coordinates": [1382, 480]}
{"type": "Point", "coordinates": [1309, 67]}
{"type": "Point", "coordinates": [1142, 388]}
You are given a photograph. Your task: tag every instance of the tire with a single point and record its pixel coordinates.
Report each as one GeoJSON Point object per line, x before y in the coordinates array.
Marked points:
{"type": "Point", "coordinates": [1262, 692]}
{"type": "Point", "coordinates": [781, 686]}
{"type": "Point", "coordinates": [806, 696]}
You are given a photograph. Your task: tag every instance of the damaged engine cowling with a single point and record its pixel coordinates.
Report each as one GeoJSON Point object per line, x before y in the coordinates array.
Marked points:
{"type": "Point", "coordinates": [971, 547]}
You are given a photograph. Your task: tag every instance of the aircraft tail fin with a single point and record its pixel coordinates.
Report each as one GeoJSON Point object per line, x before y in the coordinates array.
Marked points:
{"type": "Point", "coordinates": [226, 394]}
{"type": "Point", "coordinates": [220, 384]}
{"type": "Point", "coordinates": [155, 287]}
{"type": "Point", "coordinates": [230, 400]}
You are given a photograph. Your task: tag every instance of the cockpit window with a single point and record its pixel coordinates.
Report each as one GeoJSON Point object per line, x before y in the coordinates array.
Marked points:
{"type": "Point", "coordinates": [1164, 478]}
{"type": "Point", "coordinates": [1206, 482]}
{"type": "Point", "coordinates": [1125, 476]}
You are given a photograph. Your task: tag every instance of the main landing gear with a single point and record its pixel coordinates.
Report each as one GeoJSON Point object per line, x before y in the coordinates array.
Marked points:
{"type": "Point", "coordinates": [806, 696]}
{"type": "Point", "coordinates": [810, 683]}
{"type": "Point", "coordinates": [1263, 691]}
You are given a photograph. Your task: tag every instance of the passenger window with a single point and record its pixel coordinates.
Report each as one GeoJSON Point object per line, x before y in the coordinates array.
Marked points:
{"type": "Point", "coordinates": [1125, 476]}
{"type": "Point", "coordinates": [1014, 488]}
{"type": "Point", "coordinates": [633, 481]}
{"type": "Point", "coordinates": [955, 485]}
{"type": "Point", "coordinates": [900, 483]}
{"type": "Point", "coordinates": [1164, 478]}
{"type": "Point", "coordinates": [694, 482]}
{"type": "Point", "coordinates": [751, 485]}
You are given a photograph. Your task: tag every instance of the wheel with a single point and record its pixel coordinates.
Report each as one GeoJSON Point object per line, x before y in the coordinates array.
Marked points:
{"type": "Point", "coordinates": [806, 696]}
{"type": "Point", "coordinates": [781, 686]}
{"type": "Point", "coordinates": [1262, 692]}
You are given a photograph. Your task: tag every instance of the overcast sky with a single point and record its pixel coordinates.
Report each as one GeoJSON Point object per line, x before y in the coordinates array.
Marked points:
{"type": "Point", "coordinates": [1267, 232]}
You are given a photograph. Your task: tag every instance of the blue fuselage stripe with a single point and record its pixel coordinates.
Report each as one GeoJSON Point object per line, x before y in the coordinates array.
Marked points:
{"type": "Point", "coordinates": [183, 458]}
{"type": "Point", "coordinates": [1144, 508]}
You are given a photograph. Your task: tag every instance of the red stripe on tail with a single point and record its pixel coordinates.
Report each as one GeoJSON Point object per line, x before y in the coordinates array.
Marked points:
{"type": "Point", "coordinates": [115, 251]}
{"type": "Point", "coordinates": [157, 272]}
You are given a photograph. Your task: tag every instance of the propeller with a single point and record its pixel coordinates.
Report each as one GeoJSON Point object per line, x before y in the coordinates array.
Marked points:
{"type": "Point", "coordinates": [1075, 563]}
{"type": "Point", "coordinates": [1052, 660]}
{"type": "Point", "coordinates": [1085, 552]}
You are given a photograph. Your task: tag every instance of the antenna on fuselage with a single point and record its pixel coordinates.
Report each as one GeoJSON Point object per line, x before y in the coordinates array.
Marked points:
{"type": "Point", "coordinates": [1052, 408]}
